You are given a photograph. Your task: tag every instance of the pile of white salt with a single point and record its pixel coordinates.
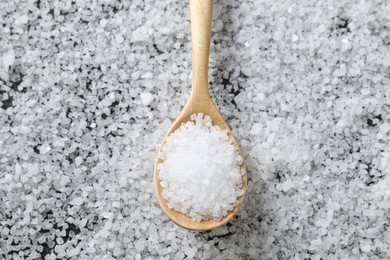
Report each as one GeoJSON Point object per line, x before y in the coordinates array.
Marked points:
{"type": "Point", "coordinates": [200, 173]}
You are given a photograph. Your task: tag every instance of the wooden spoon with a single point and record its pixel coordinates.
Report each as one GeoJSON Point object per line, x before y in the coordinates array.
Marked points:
{"type": "Point", "coordinates": [199, 102]}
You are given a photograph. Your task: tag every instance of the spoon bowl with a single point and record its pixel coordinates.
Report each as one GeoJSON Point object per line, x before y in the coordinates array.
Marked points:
{"type": "Point", "coordinates": [199, 102]}
{"type": "Point", "coordinates": [207, 108]}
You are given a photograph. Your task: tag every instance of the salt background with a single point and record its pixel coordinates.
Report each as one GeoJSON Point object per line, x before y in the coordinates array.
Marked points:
{"type": "Point", "coordinates": [88, 89]}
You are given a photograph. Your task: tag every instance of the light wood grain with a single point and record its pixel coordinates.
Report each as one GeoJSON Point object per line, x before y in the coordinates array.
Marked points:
{"type": "Point", "coordinates": [199, 102]}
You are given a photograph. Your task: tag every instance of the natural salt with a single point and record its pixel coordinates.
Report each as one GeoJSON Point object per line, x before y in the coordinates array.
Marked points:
{"type": "Point", "coordinates": [200, 173]}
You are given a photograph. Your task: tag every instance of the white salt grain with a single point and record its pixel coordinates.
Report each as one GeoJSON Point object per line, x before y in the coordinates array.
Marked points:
{"type": "Point", "coordinates": [78, 160]}
{"type": "Point", "coordinates": [106, 215]}
{"type": "Point", "coordinates": [200, 174]}
{"type": "Point", "coordinates": [139, 245]}
{"type": "Point", "coordinates": [119, 38]}
{"type": "Point", "coordinates": [104, 233]}
{"type": "Point", "coordinates": [146, 98]}
{"type": "Point", "coordinates": [77, 201]}
{"type": "Point", "coordinates": [189, 252]}
{"type": "Point", "coordinates": [22, 19]}
{"type": "Point", "coordinates": [256, 129]}
{"type": "Point", "coordinates": [365, 246]}
{"type": "Point", "coordinates": [8, 58]}
{"type": "Point", "coordinates": [287, 185]}
{"type": "Point", "coordinates": [18, 169]}
{"type": "Point", "coordinates": [24, 178]}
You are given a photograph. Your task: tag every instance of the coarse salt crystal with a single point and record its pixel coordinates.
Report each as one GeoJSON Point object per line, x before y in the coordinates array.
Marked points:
{"type": "Point", "coordinates": [77, 201]}
{"type": "Point", "coordinates": [146, 98]}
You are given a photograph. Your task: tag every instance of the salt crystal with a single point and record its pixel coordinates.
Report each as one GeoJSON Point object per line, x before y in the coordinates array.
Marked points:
{"type": "Point", "coordinates": [139, 245]}
{"type": "Point", "coordinates": [256, 129]}
{"type": "Point", "coordinates": [123, 180]}
{"type": "Point", "coordinates": [287, 185]}
{"type": "Point", "coordinates": [18, 169]}
{"type": "Point", "coordinates": [119, 38]}
{"type": "Point", "coordinates": [146, 98]}
{"type": "Point", "coordinates": [103, 22]}
{"type": "Point", "coordinates": [31, 102]}
{"type": "Point", "coordinates": [59, 143]}
{"type": "Point", "coordinates": [180, 255]}
{"type": "Point", "coordinates": [218, 25]}
{"type": "Point", "coordinates": [29, 207]}
{"type": "Point", "coordinates": [83, 222]}
{"type": "Point", "coordinates": [147, 75]}
{"type": "Point", "coordinates": [77, 201]}
{"type": "Point", "coordinates": [5, 231]}
{"type": "Point", "coordinates": [107, 214]}
{"type": "Point", "coordinates": [24, 130]}
{"type": "Point", "coordinates": [365, 246]}
{"type": "Point", "coordinates": [8, 58]}
{"type": "Point", "coordinates": [44, 148]}
{"type": "Point", "coordinates": [386, 60]}
{"type": "Point", "coordinates": [104, 233]}
{"type": "Point", "coordinates": [316, 242]}
{"type": "Point", "coordinates": [189, 252]}
{"type": "Point", "coordinates": [22, 19]}
{"type": "Point", "coordinates": [33, 169]}
{"type": "Point", "coordinates": [24, 178]}
{"type": "Point", "coordinates": [78, 160]}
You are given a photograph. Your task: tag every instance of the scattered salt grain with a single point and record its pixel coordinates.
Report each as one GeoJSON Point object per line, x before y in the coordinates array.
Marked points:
{"type": "Point", "coordinates": [386, 60]}
{"type": "Point", "coordinates": [146, 98]}
{"type": "Point", "coordinates": [256, 129]}
{"type": "Point", "coordinates": [365, 246]}
{"type": "Point", "coordinates": [139, 245]}
{"type": "Point", "coordinates": [18, 169]}
{"type": "Point", "coordinates": [8, 58]}
{"type": "Point", "coordinates": [107, 215]}
{"type": "Point", "coordinates": [104, 233]}
{"type": "Point", "coordinates": [31, 102]}
{"type": "Point", "coordinates": [78, 160]}
{"type": "Point", "coordinates": [77, 201]}
{"type": "Point", "coordinates": [200, 172]}
{"type": "Point", "coordinates": [24, 178]}
{"type": "Point", "coordinates": [119, 38]}
{"type": "Point", "coordinates": [179, 255]}
{"type": "Point", "coordinates": [22, 19]}
{"type": "Point", "coordinates": [287, 185]}
{"type": "Point", "coordinates": [189, 252]}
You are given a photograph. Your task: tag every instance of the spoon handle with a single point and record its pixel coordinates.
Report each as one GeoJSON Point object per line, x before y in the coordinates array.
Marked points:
{"type": "Point", "coordinates": [201, 20]}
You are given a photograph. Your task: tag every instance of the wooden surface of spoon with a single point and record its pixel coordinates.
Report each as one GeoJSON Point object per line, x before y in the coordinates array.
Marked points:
{"type": "Point", "coordinates": [199, 102]}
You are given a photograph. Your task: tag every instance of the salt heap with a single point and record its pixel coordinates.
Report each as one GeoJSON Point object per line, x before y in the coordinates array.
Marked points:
{"type": "Point", "coordinates": [200, 173]}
